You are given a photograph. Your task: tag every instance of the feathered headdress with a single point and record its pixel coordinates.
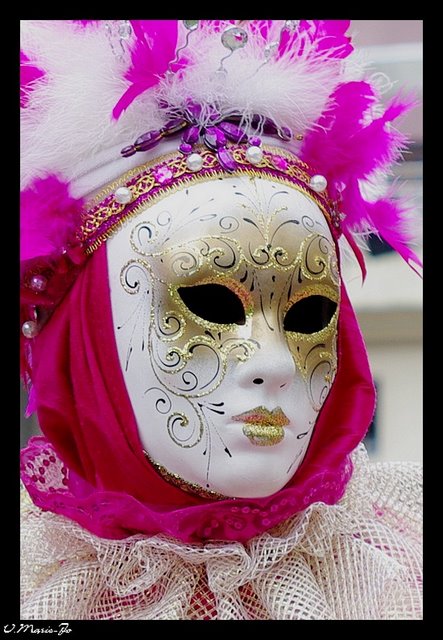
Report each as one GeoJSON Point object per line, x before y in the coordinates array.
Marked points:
{"type": "Point", "coordinates": [123, 89]}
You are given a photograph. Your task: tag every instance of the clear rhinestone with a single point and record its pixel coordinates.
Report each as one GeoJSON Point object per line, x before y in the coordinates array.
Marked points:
{"type": "Point", "coordinates": [125, 30]}
{"type": "Point", "coordinates": [234, 38]}
{"type": "Point", "coordinates": [38, 283]}
{"type": "Point", "coordinates": [292, 25]}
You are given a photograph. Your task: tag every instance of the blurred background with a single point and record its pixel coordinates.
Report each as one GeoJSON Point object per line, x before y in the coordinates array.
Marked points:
{"type": "Point", "coordinates": [389, 305]}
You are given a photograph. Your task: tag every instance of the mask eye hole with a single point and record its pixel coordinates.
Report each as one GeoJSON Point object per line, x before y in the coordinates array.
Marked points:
{"type": "Point", "coordinates": [310, 314]}
{"type": "Point", "coordinates": [213, 303]}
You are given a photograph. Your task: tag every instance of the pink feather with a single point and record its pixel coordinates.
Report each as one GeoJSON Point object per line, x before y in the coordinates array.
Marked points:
{"type": "Point", "coordinates": [347, 148]}
{"type": "Point", "coordinates": [48, 217]}
{"type": "Point", "coordinates": [29, 74]}
{"type": "Point", "coordinates": [324, 36]}
{"type": "Point", "coordinates": [153, 51]}
{"type": "Point", "coordinates": [330, 144]}
{"type": "Point", "coordinates": [386, 217]}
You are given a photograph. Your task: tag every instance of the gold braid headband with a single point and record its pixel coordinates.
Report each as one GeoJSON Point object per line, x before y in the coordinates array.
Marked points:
{"type": "Point", "coordinates": [143, 185]}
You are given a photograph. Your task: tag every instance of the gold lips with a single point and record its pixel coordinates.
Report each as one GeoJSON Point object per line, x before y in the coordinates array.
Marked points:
{"type": "Point", "coordinates": [262, 427]}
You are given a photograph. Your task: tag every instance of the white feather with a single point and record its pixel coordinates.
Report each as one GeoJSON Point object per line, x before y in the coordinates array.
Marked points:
{"type": "Point", "coordinates": [68, 122]}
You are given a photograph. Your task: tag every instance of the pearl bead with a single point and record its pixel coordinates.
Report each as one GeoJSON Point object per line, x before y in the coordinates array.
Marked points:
{"type": "Point", "coordinates": [191, 25]}
{"type": "Point", "coordinates": [29, 329]}
{"type": "Point", "coordinates": [254, 155]}
{"type": "Point", "coordinates": [194, 162]}
{"type": "Point", "coordinates": [318, 183]}
{"type": "Point", "coordinates": [123, 195]}
{"type": "Point", "coordinates": [38, 283]}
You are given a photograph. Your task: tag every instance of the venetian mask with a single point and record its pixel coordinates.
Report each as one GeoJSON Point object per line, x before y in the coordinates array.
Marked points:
{"type": "Point", "coordinates": [225, 299]}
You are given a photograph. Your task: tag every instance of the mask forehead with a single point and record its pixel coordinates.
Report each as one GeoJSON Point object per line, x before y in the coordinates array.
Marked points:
{"type": "Point", "coordinates": [221, 226]}
{"type": "Point", "coordinates": [271, 247]}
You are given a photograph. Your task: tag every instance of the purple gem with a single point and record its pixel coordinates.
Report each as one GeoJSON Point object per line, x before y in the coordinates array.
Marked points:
{"type": "Point", "coordinates": [174, 125]}
{"type": "Point", "coordinates": [213, 114]}
{"type": "Point", "coordinates": [226, 160]}
{"type": "Point", "coordinates": [279, 163]}
{"type": "Point", "coordinates": [185, 148]}
{"type": "Point", "coordinates": [191, 135]}
{"type": "Point", "coordinates": [285, 134]}
{"type": "Point", "coordinates": [193, 109]}
{"type": "Point", "coordinates": [269, 127]}
{"type": "Point", "coordinates": [163, 174]}
{"type": "Point", "coordinates": [214, 138]}
{"type": "Point", "coordinates": [128, 151]}
{"type": "Point", "coordinates": [232, 131]}
{"type": "Point", "coordinates": [254, 141]}
{"type": "Point", "coordinates": [147, 140]}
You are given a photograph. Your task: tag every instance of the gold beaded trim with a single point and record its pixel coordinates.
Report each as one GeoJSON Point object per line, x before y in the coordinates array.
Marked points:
{"type": "Point", "coordinates": [104, 215]}
{"type": "Point", "coordinates": [184, 485]}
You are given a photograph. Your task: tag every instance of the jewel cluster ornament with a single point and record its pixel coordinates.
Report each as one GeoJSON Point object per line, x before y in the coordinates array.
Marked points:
{"type": "Point", "coordinates": [214, 131]}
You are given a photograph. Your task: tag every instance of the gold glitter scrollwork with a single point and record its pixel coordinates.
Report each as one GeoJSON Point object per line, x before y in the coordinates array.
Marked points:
{"type": "Point", "coordinates": [246, 348]}
{"type": "Point", "coordinates": [170, 326]}
{"type": "Point", "coordinates": [185, 485]}
{"type": "Point", "coordinates": [128, 276]}
{"type": "Point", "coordinates": [143, 234]}
{"type": "Point", "coordinates": [310, 350]}
{"type": "Point", "coordinates": [175, 360]}
{"type": "Point", "coordinates": [225, 257]}
{"type": "Point", "coordinates": [186, 262]}
{"type": "Point", "coordinates": [334, 270]}
{"type": "Point", "coordinates": [321, 377]}
{"type": "Point", "coordinates": [180, 433]}
{"type": "Point", "coordinates": [316, 253]}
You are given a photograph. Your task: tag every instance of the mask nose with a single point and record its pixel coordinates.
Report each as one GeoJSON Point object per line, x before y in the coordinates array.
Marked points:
{"type": "Point", "coordinates": [271, 367]}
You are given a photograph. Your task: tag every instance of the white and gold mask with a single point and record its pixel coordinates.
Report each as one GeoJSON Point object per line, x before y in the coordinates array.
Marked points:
{"type": "Point", "coordinates": [225, 300]}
